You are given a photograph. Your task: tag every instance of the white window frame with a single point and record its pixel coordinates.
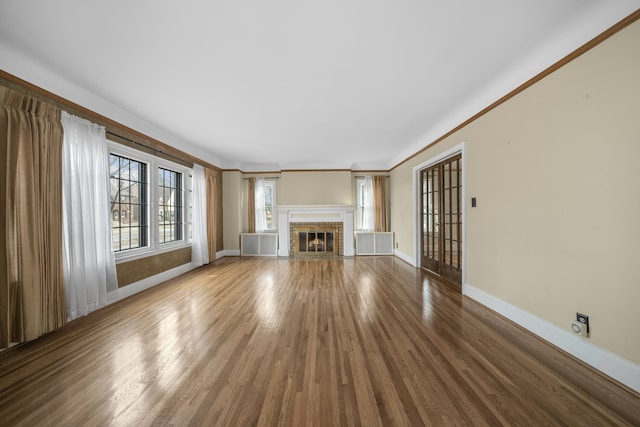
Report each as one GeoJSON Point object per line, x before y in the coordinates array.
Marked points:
{"type": "Point", "coordinates": [153, 164]}
{"type": "Point", "coordinates": [274, 224]}
{"type": "Point", "coordinates": [359, 205]}
{"type": "Point", "coordinates": [360, 183]}
{"type": "Point", "coordinates": [189, 195]}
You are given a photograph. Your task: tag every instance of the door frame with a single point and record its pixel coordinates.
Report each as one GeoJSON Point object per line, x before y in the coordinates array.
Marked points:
{"type": "Point", "coordinates": [417, 216]}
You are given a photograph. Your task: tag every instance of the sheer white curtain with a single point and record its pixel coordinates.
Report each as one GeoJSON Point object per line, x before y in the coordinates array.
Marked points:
{"type": "Point", "coordinates": [367, 205]}
{"type": "Point", "coordinates": [199, 245]}
{"type": "Point", "coordinates": [88, 261]}
{"type": "Point", "coordinates": [261, 214]}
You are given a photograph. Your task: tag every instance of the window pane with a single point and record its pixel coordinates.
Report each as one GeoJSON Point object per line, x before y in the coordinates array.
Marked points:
{"type": "Point", "coordinates": [133, 171]}
{"type": "Point", "coordinates": [114, 166]}
{"type": "Point", "coordinates": [265, 205]}
{"type": "Point", "coordinates": [114, 187]}
{"type": "Point", "coordinates": [166, 196]}
{"type": "Point", "coordinates": [124, 190]}
{"type": "Point", "coordinates": [124, 167]}
{"type": "Point", "coordinates": [267, 196]}
{"type": "Point", "coordinates": [134, 192]}
{"type": "Point", "coordinates": [115, 241]}
{"type": "Point", "coordinates": [169, 205]}
{"type": "Point", "coordinates": [269, 215]}
{"type": "Point", "coordinates": [190, 214]}
{"type": "Point", "coordinates": [127, 203]}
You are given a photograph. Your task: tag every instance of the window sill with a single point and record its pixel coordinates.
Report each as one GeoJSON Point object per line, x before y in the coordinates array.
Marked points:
{"type": "Point", "coordinates": [134, 254]}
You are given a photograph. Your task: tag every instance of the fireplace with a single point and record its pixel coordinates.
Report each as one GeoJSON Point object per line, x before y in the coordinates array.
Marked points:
{"type": "Point", "coordinates": [328, 228]}
{"type": "Point", "coordinates": [316, 240]}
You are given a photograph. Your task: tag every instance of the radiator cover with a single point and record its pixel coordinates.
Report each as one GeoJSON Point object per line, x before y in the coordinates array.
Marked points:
{"type": "Point", "coordinates": [258, 244]}
{"type": "Point", "coordinates": [371, 243]}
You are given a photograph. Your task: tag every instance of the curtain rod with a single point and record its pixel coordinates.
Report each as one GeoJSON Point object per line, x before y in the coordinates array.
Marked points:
{"type": "Point", "coordinates": [155, 150]}
{"type": "Point", "coordinates": [266, 177]}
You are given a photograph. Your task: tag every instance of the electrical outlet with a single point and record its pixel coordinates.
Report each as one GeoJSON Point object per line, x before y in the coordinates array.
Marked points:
{"type": "Point", "coordinates": [584, 319]}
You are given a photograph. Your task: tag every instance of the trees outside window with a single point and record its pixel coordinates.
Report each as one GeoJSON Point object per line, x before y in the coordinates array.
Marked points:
{"type": "Point", "coordinates": [128, 190]}
{"type": "Point", "coordinates": [139, 185]}
{"type": "Point", "coordinates": [265, 205]}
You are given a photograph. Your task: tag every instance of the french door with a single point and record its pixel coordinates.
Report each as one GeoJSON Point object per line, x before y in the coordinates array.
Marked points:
{"type": "Point", "coordinates": [441, 236]}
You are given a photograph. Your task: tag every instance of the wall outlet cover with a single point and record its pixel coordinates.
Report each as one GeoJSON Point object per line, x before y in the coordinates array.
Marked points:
{"type": "Point", "coordinates": [584, 319]}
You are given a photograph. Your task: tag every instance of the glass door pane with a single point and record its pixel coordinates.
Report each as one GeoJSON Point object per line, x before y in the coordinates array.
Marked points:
{"type": "Point", "coordinates": [441, 198]}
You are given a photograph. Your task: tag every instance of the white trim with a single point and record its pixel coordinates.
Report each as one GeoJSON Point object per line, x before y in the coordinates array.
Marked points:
{"type": "Point", "coordinates": [406, 258]}
{"type": "Point", "coordinates": [622, 370]}
{"type": "Point", "coordinates": [147, 282]}
{"type": "Point", "coordinates": [316, 213]}
{"type": "Point", "coordinates": [417, 216]}
{"type": "Point", "coordinates": [274, 220]}
{"type": "Point", "coordinates": [227, 252]}
{"type": "Point", "coordinates": [134, 254]}
{"type": "Point", "coordinates": [153, 163]}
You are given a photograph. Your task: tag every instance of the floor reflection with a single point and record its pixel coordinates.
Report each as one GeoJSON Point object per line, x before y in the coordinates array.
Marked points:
{"type": "Point", "coordinates": [267, 302]}
{"type": "Point", "coordinates": [169, 347]}
{"type": "Point", "coordinates": [367, 292]}
{"type": "Point", "coordinates": [126, 381]}
{"type": "Point", "coordinates": [427, 303]}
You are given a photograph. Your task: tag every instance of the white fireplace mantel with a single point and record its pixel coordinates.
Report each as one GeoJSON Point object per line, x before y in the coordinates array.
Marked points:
{"type": "Point", "coordinates": [316, 213]}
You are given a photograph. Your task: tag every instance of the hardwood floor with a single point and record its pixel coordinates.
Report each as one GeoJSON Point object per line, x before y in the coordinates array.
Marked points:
{"type": "Point", "coordinates": [263, 341]}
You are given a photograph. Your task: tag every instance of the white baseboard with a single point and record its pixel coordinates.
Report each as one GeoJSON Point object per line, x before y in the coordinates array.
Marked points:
{"type": "Point", "coordinates": [406, 258]}
{"type": "Point", "coordinates": [622, 370]}
{"type": "Point", "coordinates": [147, 283]}
{"type": "Point", "coordinates": [227, 252]}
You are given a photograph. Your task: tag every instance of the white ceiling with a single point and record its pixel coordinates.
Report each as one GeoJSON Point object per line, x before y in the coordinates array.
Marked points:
{"type": "Point", "coordinates": [293, 84]}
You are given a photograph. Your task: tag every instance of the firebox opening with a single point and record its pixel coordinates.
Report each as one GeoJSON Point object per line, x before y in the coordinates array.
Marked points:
{"type": "Point", "coordinates": [316, 240]}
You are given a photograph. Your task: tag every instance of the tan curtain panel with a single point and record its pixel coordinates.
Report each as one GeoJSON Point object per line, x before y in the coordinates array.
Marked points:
{"type": "Point", "coordinates": [211, 177]}
{"type": "Point", "coordinates": [380, 221]}
{"type": "Point", "coordinates": [251, 205]}
{"type": "Point", "coordinates": [32, 299]}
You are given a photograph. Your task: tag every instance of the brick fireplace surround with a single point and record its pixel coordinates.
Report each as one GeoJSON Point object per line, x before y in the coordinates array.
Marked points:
{"type": "Point", "coordinates": [341, 216]}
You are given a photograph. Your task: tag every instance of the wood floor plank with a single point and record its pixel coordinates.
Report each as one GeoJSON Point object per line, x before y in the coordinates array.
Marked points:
{"type": "Point", "coordinates": [280, 342]}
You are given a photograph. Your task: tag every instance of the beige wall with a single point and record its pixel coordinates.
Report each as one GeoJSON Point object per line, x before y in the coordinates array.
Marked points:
{"type": "Point", "coordinates": [315, 188]}
{"type": "Point", "coordinates": [292, 188]}
{"type": "Point", "coordinates": [232, 184]}
{"type": "Point", "coordinates": [555, 171]}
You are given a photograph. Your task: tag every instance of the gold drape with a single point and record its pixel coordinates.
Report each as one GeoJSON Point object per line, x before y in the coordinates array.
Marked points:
{"type": "Point", "coordinates": [32, 299]}
{"type": "Point", "coordinates": [380, 203]}
{"type": "Point", "coordinates": [251, 205]}
{"type": "Point", "coordinates": [211, 177]}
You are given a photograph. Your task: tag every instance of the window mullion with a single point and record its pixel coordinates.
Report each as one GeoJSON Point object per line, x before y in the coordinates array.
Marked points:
{"type": "Point", "coordinates": [136, 188]}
